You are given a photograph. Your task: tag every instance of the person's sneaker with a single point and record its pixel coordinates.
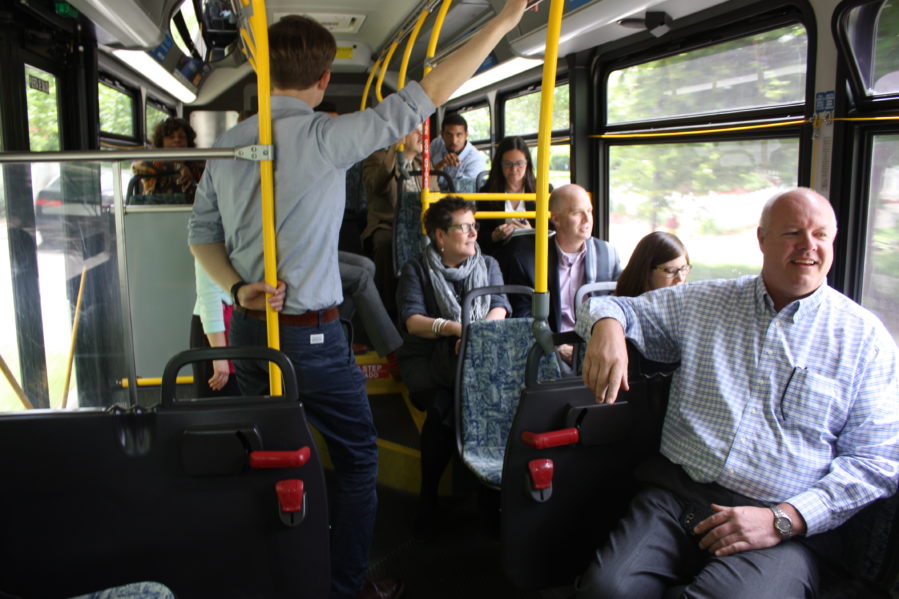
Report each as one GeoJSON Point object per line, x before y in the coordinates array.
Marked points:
{"type": "Point", "coordinates": [386, 588]}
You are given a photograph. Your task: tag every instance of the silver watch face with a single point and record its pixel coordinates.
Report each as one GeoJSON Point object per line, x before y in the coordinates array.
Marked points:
{"type": "Point", "coordinates": [783, 526]}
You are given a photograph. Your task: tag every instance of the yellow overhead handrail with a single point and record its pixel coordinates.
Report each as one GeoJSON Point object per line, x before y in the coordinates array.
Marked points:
{"type": "Point", "coordinates": [407, 53]}
{"type": "Point", "coordinates": [371, 77]}
{"type": "Point", "coordinates": [258, 48]}
{"type": "Point", "coordinates": [383, 72]}
{"type": "Point", "coordinates": [426, 126]}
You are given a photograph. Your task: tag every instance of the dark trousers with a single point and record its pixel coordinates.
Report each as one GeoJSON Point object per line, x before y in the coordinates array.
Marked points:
{"type": "Point", "coordinates": [332, 389]}
{"type": "Point", "coordinates": [653, 549]}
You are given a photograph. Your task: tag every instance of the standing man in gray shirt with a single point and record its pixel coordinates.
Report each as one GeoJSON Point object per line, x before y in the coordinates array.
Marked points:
{"type": "Point", "coordinates": [312, 153]}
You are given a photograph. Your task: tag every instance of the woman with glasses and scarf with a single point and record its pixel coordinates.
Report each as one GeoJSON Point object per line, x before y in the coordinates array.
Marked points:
{"type": "Point", "coordinates": [659, 260]}
{"type": "Point", "coordinates": [429, 300]}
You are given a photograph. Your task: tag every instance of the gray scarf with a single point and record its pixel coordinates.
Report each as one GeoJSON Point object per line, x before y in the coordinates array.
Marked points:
{"type": "Point", "coordinates": [474, 274]}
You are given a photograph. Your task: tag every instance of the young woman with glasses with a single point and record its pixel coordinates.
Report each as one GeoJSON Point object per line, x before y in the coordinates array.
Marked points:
{"type": "Point", "coordinates": [429, 299]}
{"type": "Point", "coordinates": [659, 260]}
{"type": "Point", "coordinates": [510, 172]}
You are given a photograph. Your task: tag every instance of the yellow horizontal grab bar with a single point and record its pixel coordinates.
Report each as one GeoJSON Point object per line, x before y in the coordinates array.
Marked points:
{"type": "Point", "coordinates": [492, 215]}
{"type": "Point", "coordinates": [484, 197]}
{"type": "Point", "coordinates": [156, 381]}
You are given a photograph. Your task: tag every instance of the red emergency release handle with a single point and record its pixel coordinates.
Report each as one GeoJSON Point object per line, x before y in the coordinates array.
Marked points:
{"type": "Point", "coordinates": [541, 472]}
{"type": "Point", "coordinates": [280, 459]}
{"type": "Point", "coordinates": [559, 438]}
{"type": "Point", "coordinates": [290, 495]}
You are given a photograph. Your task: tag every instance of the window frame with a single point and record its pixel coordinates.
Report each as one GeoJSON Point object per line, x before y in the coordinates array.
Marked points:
{"type": "Point", "coordinates": [729, 25]}
{"type": "Point", "coordinates": [137, 114]}
{"type": "Point", "coordinates": [858, 96]}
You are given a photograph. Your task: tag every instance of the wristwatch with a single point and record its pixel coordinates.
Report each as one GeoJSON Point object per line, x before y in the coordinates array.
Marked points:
{"type": "Point", "coordinates": [783, 526]}
{"type": "Point", "coordinates": [234, 289]}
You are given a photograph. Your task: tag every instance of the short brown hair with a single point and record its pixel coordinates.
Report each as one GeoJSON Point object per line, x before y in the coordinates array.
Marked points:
{"type": "Point", "coordinates": [440, 214]}
{"type": "Point", "coordinates": [300, 51]}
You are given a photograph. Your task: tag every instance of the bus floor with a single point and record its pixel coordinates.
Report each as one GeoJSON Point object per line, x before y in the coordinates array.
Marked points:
{"type": "Point", "coordinates": [462, 559]}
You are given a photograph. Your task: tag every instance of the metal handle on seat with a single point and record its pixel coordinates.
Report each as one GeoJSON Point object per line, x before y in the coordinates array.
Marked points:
{"type": "Point", "coordinates": [547, 440]}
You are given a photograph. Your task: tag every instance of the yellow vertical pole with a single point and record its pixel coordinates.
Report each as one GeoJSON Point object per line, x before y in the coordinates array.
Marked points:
{"type": "Point", "coordinates": [259, 27]}
{"type": "Point", "coordinates": [544, 135]}
{"type": "Point", "coordinates": [65, 386]}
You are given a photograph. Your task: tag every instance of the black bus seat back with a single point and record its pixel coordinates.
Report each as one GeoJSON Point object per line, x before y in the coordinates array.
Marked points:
{"type": "Point", "coordinates": [116, 516]}
{"type": "Point", "coordinates": [548, 543]}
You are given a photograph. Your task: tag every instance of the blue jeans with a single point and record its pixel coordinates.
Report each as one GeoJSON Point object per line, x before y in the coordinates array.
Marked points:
{"type": "Point", "coordinates": [332, 389]}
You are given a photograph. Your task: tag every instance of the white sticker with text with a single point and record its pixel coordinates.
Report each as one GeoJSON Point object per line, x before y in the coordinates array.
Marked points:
{"type": "Point", "coordinates": [316, 339]}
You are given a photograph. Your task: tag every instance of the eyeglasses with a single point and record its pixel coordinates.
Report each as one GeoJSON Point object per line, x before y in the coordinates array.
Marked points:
{"type": "Point", "coordinates": [466, 228]}
{"type": "Point", "coordinates": [514, 163]}
{"type": "Point", "coordinates": [673, 271]}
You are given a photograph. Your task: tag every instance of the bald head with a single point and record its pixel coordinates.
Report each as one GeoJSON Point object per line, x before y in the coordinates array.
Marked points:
{"type": "Point", "coordinates": [572, 213]}
{"type": "Point", "coordinates": [561, 195]}
{"type": "Point", "coordinates": [798, 195]}
{"type": "Point", "coordinates": [796, 234]}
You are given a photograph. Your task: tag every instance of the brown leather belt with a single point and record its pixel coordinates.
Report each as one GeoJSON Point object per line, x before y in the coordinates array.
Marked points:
{"type": "Point", "coordinates": [312, 318]}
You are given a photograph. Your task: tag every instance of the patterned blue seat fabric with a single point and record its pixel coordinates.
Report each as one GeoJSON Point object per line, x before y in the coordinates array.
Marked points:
{"type": "Point", "coordinates": [492, 379]}
{"type": "Point", "coordinates": [407, 236]}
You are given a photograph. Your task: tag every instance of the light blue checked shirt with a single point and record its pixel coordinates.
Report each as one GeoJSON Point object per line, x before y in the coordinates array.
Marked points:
{"type": "Point", "coordinates": [800, 406]}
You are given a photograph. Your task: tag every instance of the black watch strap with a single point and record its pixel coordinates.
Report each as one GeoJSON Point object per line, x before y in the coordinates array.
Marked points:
{"type": "Point", "coordinates": [234, 289]}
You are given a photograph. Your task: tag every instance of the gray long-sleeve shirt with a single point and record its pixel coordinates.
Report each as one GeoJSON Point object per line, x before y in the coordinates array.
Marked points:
{"type": "Point", "coordinates": [312, 153]}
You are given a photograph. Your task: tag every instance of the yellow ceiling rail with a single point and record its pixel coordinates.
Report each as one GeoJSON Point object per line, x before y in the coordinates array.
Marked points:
{"type": "Point", "coordinates": [407, 53]}
{"type": "Point", "coordinates": [383, 72]}
{"type": "Point", "coordinates": [371, 77]}
{"type": "Point", "coordinates": [258, 26]}
{"type": "Point", "coordinates": [426, 126]}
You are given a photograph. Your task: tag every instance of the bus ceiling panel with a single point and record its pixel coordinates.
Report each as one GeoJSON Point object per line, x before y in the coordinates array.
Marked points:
{"type": "Point", "coordinates": [132, 24]}
{"type": "Point", "coordinates": [590, 23]}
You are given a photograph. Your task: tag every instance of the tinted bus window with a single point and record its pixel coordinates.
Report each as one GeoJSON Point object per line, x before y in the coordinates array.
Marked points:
{"type": "Point", "coordinates": [116, 111]}
{"type": "Point", "coordinates": [43, 110]}
{"type": "Point", "coordinates": [880, 285]}
{"type": "Point", "coordinates": [758, 71]}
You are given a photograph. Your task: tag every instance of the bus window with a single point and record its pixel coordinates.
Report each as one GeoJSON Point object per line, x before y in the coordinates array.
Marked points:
{"type": "Point", "coordinates": [478, 120]}
{"type": "Point", "coordinates": [758, 71]}
{"type": "Point", "coordinates": [880, 285]}
{"type": "Point", "coordinates": [708, 191]}
{"type": "Point", "coordinates": [43, 110]}
{"type": "Point", "coordinates": [520, 116]}
{"type": "Point", "coordinates": [153, 114]}
{"type": "Point", "coordinates": [116, 110]}
{"type": "Point", "coordinates": [708, 194]}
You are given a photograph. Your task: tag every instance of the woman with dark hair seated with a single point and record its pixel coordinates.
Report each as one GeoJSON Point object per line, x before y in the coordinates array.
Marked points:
{"type": "Point", "coordinates": [429, 300]}
{"type": "Point", "coordinates": [510, 172]}
{"type": "Point", "coordinates": [175, 177]}
{"type": "Point", "coordinates": [659, 260]}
